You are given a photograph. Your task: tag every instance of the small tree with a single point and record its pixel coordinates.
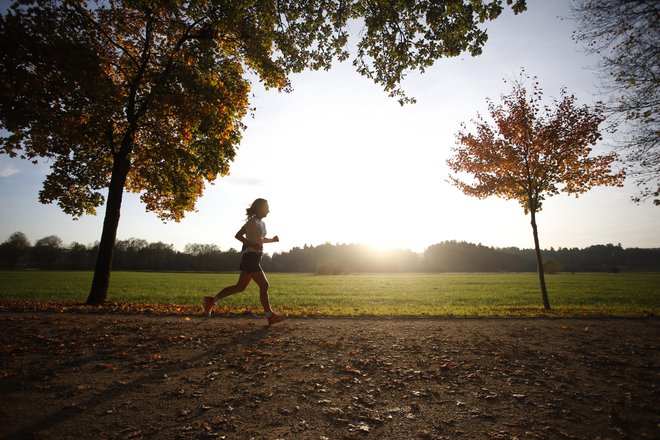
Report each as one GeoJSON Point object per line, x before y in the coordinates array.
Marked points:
{"type": "Point", "coordinates": [530, 154]}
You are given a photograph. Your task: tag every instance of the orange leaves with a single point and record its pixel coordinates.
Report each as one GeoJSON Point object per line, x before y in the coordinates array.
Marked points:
{"type": "Point", "coordinates": [526, 153]}
{"type": "Point", "coordinates": [186, 311]}
{"type": "Point", "coordinates": [107, 307]}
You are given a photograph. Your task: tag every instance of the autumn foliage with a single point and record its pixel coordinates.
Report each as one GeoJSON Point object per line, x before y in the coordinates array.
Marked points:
{"type": "Point", "coordinates": [532, 151]}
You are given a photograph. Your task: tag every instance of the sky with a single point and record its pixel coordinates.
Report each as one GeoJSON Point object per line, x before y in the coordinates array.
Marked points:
{"type": "Point", "coordinates": [341, 162]}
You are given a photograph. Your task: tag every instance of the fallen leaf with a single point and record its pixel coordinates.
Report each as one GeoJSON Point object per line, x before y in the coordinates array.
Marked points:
{"type": "Point", "coordinates": [362, 427]}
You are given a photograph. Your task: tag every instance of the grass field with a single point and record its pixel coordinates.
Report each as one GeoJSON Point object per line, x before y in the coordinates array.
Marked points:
{"type": "Point", "coordinates": [365, 294]}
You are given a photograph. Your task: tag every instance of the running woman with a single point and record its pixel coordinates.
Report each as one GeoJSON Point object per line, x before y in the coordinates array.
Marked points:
{"type": "Point", "coordinates": [253, 237]}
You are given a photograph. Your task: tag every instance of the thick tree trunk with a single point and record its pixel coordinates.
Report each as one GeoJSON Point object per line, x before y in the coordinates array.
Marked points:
{"type": "Point", "coordinates": [99, 291]}
{"type": "Point", "coordinates": [539, 262]}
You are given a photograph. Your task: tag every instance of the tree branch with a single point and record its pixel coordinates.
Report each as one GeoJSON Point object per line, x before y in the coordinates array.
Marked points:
{"type": "Point", "coordinates": [89, 16]}
{"type": "Point", "coordinates": [162, 78]}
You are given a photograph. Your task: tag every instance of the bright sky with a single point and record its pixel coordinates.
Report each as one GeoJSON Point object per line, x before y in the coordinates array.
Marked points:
{"type": "Point", "coordinates": [340, 162]}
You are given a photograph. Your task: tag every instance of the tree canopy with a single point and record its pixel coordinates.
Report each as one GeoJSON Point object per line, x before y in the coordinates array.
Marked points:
{"type": "Point", "coordinates": [530, 152]}
{"type": "Point", "coordinates": [83, 82]}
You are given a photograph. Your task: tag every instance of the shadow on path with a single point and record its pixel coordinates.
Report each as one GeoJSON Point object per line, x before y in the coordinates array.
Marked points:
{"type": "Point", "coordinates": [115, 392]}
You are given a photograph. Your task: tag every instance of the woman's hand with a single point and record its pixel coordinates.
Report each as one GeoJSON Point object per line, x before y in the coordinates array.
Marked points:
{"type": "Point", "coordinates": [276, 239]}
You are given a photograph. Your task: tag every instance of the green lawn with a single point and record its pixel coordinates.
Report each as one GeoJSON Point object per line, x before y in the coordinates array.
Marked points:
{"type": "Point", "coordinates": [367, 294]}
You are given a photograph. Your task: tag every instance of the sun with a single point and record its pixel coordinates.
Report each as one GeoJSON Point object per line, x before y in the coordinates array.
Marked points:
{"type": "Point", "coordinates": [393, 227]}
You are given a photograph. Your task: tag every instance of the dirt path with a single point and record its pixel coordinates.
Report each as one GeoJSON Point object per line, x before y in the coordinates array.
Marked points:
{"type": "Point", "coordinates": [133, 377]}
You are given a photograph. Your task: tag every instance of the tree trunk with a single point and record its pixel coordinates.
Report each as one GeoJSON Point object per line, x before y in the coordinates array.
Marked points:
{"type": "Point", "coordinates": [539, 262]}
{"type": "Point", "coordinates": [99, 291]}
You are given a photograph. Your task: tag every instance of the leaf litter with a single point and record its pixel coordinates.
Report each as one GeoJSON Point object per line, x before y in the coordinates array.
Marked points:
{"type": "Point", "coordinates": [118, 376]}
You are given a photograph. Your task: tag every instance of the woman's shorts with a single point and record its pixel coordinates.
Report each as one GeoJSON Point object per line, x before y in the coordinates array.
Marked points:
{"type": "Point", "coordinates": [250, 262]}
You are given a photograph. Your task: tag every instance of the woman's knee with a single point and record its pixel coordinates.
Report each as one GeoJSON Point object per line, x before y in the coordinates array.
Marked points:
{"type": "Point", "coordinates": [242, 282]}
{"type": "Point", "coordinates": [262, 282]}
{"type": "Point", "coordinates": [240, 287]}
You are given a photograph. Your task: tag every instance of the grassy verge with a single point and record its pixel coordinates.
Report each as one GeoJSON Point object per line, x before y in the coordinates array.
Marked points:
{"type": "Point", "coordinates": [353, 295]}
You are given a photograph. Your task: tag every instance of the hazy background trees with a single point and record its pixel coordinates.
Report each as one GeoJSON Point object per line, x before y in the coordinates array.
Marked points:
{"type": "Point", "coordinates": [14, 251]}
{"type": "Point", "coordinates": [47, 252]}
{"type": "Point", "coordinates": [134, 254]}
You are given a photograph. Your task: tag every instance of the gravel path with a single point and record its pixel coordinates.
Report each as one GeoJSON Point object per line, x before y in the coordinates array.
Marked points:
{"type": "Point", "coordinates": [113, 376]}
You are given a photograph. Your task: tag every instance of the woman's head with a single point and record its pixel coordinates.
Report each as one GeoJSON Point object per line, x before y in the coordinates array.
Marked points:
{"type": "Point", "coordinates": [259, 209]}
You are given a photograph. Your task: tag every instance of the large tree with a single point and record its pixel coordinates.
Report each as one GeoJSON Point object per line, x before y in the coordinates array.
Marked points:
{"type": "Point", "coordinates": [149, 96]}
{"type": "Point", "coordinates": [530, 151]}
{"type": "Point", "coordinates": [626, 36]}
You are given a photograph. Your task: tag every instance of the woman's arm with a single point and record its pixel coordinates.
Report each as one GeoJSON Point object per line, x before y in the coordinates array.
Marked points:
{"type": "Point", "coordinates": [240, 236]}
{"type": "Point", "coordinates": [271, 240]}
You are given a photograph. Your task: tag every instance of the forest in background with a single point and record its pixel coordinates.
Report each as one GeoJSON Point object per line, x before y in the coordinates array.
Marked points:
{"type": "Point", "coordinates": [50, 253]}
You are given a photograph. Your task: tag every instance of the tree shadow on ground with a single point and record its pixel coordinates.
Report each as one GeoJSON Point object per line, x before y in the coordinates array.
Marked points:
{"type": "Point", "coordinates": [115, 391]}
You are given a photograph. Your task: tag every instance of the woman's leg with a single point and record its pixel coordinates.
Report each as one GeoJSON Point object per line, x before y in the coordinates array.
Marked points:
{"type": "Point", "coordinates": [262, 282]}
{"type": "Point", "coordinates": [241, 284]}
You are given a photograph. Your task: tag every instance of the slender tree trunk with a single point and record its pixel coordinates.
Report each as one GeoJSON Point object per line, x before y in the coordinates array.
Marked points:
{"type": "Point", "coordinates": [539, 262]}
{"type": "Point", "coordinates": [99, 291]}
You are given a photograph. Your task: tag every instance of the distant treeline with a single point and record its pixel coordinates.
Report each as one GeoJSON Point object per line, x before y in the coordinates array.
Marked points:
{"type": "Point", "coordinates": [453, 256]}
{"type": "Point", "coordinates": [50, 253]}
